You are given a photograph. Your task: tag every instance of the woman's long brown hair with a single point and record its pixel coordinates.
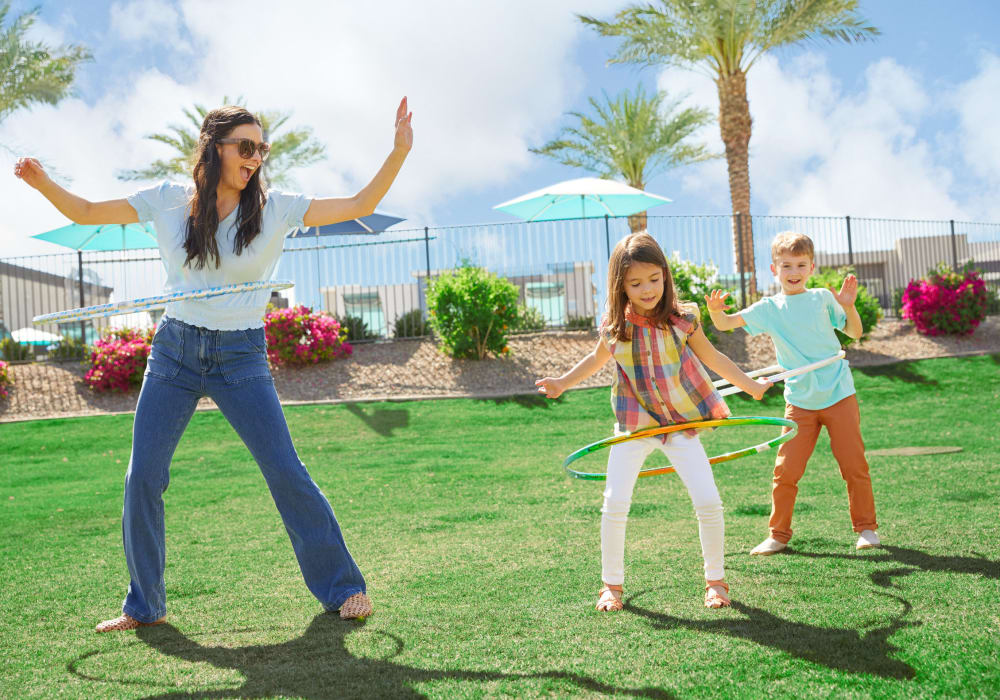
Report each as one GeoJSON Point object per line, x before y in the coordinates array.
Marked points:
{"type": "Point", "coordinates": [637, 247]}
{"type": "Point", "coordinates": [203, 219]}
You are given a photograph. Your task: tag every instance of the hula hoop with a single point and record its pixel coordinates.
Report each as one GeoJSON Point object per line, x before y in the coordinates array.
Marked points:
{"type": "Point", "coordinates": [121, 307]}
{"type": "Point", "coordinates": [778, 377]}
{"type": "Point", "coordinates": [739, 420]}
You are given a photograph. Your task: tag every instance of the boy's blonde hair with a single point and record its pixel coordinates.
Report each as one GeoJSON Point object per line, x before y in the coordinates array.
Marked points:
{"type": "Point", "coordinates": [791, 243]}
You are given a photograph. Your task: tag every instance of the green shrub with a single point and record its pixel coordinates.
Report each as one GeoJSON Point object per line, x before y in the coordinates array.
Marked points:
{"type": "Point", "coordinates": [580, 323]}
{"type": "Point", "coordinates": [692, 283]}
{"type": "Point", "coordinates": [69, 348]}
{"type": "Point", "coordinates": [356, 328]}
{"type": "Point", "coordinates": [867, 305]}
{"type": "Point", "coordinates": [410, 325]}
{"type": "Point", "coordinates": [471, 311]}
{"type": "Point", "coordinates": [529, 319]}
{"type": "Point", "coordinates": [13, 351]}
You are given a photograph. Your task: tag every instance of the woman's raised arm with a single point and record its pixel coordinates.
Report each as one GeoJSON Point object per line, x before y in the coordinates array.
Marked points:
{"type": "Point", "coordinates": [333, 210]}
{"type": "Point", "coordinates": [77, 209]}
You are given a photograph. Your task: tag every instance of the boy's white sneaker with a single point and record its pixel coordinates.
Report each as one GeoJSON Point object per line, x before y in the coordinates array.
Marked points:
{"type": "Point", "coordinates": [768, 547]}
{"type": "Point", "coordinates": [868, 539]}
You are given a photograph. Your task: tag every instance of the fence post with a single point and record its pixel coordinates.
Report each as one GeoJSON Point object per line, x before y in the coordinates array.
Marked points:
{"type": "Point", "coordinates": [79, 272]}
{"type": "Point", "coordinates": [954, 245]}
{"type": "Point", "coordinates": [739, 247]}
{"type": "Point", "coordinates": [850, 247]}
{"type": "Point", "coordinates": [427, 255]}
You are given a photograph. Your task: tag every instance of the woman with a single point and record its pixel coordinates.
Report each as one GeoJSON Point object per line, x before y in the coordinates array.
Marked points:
{"type": "Point", "coordinates": [224, 229]}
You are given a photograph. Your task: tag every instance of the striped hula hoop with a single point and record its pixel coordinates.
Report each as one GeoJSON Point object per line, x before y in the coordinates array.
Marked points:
{"type": "Point", "coordinates": [720, 422]}
{"type": "Point", "coordinates": [124, 307]}
{"type": "Point", "coordinates": [782, 376]}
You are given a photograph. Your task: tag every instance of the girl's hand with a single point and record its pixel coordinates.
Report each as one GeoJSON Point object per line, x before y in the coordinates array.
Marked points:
{"type": "Point", "coordinates": [404, 133]}
{"type": "Point", "coordinates": [848, 292]}
{"type": "Point", "coordinates": [717, 300]}
{"type": "Point", "coordinates": [31, 171]}
{"type": "Point", "coordinates": [550, 386]}
{"type": "Point", "coordinates": [762, 385]}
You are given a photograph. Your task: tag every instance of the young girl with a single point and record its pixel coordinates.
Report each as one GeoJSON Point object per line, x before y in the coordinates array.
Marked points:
{"type": "Point", "coordinates": [659, 347]}
{"type": "Point", "coordinates": [226, 227]}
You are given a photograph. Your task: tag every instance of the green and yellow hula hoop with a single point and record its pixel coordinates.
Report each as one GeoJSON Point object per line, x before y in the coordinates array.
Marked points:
{"type": "Point", "coordinates": [721, 422]}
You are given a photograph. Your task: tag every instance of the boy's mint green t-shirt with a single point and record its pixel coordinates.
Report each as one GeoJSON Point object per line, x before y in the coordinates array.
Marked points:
{"type": "Point", "coordinates": [801, 327]}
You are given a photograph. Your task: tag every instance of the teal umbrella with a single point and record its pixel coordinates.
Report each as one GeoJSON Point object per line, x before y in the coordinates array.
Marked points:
{"type": "Point", "coordinates": [583, 198]}
{"type": "Point", "coordinates": [102, 236]}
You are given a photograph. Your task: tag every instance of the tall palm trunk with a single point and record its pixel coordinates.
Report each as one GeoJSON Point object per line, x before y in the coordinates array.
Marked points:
{"type": "Point", "coordinates": [637, 222]}
{"type": "Point", "coordinates": [734, 123]}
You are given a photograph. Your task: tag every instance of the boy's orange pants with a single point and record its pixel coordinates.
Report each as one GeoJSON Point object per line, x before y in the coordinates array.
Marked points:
{"type": "Point", "coordinates": [843, 423]}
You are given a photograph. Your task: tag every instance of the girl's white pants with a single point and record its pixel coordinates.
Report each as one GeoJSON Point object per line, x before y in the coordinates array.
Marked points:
{"type": "Point", "coordinates": [688, 457]}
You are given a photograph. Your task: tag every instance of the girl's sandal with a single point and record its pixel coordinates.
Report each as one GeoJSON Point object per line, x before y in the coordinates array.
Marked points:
{"type": "Point", "coordinates": [610, 598]}
{"type": "Point", "coordinates": [717, 594]}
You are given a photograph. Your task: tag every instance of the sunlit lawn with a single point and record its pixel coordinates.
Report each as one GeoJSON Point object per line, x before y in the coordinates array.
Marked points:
{"type": "Point", "coordinates": [483, 559]}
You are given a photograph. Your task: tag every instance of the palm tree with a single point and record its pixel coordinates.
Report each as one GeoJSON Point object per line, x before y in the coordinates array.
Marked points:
{"type": "Point", "coordinates": [634, 137]}
{"type": "Point", "coordinates": [32, 72]}
{"type": "Point", "coordinates": [293, 149]}
{"type": "Point", "coordinates": [724, 38]}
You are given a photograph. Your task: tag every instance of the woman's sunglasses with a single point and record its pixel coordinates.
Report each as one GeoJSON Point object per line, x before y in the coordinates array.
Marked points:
{"type": "Point", "coordinates": [246, 147]}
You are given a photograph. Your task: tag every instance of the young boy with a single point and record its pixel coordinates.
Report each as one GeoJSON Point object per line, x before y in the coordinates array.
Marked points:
{"type": "Point", "coordinates": [801, 325]}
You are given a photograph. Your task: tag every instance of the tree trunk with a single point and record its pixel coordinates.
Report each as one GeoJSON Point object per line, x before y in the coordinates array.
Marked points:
{"type": "Point", "coordinates": [734, 124]}
{"type": "Point", "coordinates": [637, 222]}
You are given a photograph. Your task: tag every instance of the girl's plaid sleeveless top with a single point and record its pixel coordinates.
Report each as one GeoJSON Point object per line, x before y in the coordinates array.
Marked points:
{"type": "Point", "coordinates": [660, 381]}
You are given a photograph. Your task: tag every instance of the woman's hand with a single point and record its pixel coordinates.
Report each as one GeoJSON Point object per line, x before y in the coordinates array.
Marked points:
{"type": "Point", "coordinates": [550, 386]}
{"type": "Point", "coordinates": [717, 300]}
{"type": "Point", "coordinates": [31, 171]}
{"type": "Point", "coordinates": [404, 133]}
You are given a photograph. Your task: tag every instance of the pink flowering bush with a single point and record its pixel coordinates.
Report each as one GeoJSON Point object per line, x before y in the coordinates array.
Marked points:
{"type": "Point", "coordinates": [947, 302]}
{"type": "Point", "coordinates": [118, 360]}
{"type": "Point", "coordinates": [5, 379]}
{"type": "Point", "coordinates": [300, 336]}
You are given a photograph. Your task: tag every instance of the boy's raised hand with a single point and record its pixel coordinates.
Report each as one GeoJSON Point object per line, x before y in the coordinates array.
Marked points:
{"type": "Point", "coordinates": [848, 292]}
{"type": "Point", "coordinates": [716, 301]}
{"type": "Point", "coordinates": [549, 386]}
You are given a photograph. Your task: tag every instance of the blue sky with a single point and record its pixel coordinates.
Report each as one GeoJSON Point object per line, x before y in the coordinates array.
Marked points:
{"type": "Point", "coordinates": [901, 127]}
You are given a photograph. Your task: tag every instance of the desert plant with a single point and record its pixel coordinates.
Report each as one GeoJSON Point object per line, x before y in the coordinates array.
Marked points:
{"type": "Point", "coordinates": [356, 327]}
{"type": "Point", "coordinates": [69, 348]}
{"type": "Point", "coordinates": [529, 319]}
{"type": "Point", "coordinates": [946, 302]}
{"type": "Point", "coordinates": [580, 323]}
{"type": "Point", "coordinates": [301, 336]}
{"type": "Point", "coordinates": [867, 305]}
{"type": "Point", "coordinates": [471, 311]}
{"type": "Point", "coordinates": [410, 325]}
{"type": "Point", "coordinates": [14, 351]}
{"type": "Point", "coordinates": [692, 282]}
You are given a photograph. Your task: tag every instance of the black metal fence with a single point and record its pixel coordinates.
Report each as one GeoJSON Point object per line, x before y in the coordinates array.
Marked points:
{"type": "Point", "coordinates": [377, 285]}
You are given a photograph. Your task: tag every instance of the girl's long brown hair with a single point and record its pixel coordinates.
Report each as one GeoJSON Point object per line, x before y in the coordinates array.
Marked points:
{"type": "Point", "coordinates": [637, 247]}
{"type": "Point", "coordinates": [203, 220]}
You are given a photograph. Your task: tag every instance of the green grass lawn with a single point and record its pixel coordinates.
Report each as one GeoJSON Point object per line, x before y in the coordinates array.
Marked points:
{"type": "Point", "coordinates": [483, 559]}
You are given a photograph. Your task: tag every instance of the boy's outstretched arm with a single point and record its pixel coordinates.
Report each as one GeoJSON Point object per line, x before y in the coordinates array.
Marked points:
{"type": "Point", "coordinates": [717, 306]}
{"type": "Point", "coordinates": [552, 387]}
{"type": "Point", "coordinates": [846, 297]}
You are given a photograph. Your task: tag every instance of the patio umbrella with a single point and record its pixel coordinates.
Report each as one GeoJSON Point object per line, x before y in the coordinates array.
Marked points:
{"type": "Point", "coordinates": [373, 223]}
{"type": "Point", "coordinates": [582, 198]}
{"type": "Point", "coordinates": [102, 237]}
{"type": "Point", "coordinates": [33, 336]}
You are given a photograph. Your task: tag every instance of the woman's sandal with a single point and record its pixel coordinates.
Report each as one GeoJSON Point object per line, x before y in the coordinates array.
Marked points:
{"type": "Point", "coordinates": [125, 623]}
{"type": "Point", "coordinates": [715, 598]}
{"type": "Point", "coordinates": [610, 598]}
{"type": "Point", "coordinates": [357, 607]}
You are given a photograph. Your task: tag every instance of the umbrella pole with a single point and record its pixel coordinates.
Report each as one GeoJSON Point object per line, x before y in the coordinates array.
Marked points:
{"type": "Point", "coordinates": [83, 324]}
{"type": "Point", "coordinates": [607, 237]}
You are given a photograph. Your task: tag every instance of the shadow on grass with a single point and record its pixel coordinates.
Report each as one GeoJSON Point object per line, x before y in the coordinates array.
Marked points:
{"type": "Point", "coordinates": [913, 558]}
{"type": "Point", "coordinates": [319, 665]}
{"type": "Point", "coordinates": [900, 371]}
{"type": "Point", "coordinates": [524, 400]}
{"type": "Point", "coordinates": [839, 649]}
{"type": "Point", "coordinates": [382, 420]}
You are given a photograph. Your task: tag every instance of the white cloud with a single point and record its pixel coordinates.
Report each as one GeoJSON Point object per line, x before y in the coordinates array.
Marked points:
{"type": "Point", "coordinates": [977, 102]}
{"type": "Point", "coordinates": [820, 149]}
{"type": "Point", "coordinates": [485, 81]}
{"type": "Point", "coordinates": [148, 21]}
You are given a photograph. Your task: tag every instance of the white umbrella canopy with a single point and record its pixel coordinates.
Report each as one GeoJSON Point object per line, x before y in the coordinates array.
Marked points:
{"type": "Point", "coordinates": [582, 198]}
{"type": "Point", "coordinates": [34, 336]}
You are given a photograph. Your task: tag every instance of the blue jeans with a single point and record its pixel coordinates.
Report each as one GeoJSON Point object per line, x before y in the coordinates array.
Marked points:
{"type": "Point", "coordinates": [186, 363]}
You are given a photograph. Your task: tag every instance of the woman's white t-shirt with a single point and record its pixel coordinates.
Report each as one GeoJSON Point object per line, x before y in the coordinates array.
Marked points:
{"type": "Point", "coordinates": [167, 206]}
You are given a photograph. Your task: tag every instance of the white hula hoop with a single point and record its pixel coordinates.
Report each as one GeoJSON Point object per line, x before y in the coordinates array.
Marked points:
{"type": "Point", "coordinates": [123, 307]}
{"type": "Point", "coordinates": [780, 377]}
